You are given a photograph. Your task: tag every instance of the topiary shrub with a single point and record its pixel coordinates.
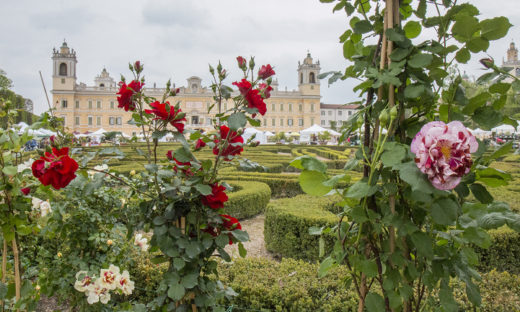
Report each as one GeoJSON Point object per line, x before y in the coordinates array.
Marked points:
{"type": "Point", "coordinates": [504, 252]}
{"type": "Point", "coordinates": [287, 223]}
{"type": "Point", "coordinates": [249, 199]}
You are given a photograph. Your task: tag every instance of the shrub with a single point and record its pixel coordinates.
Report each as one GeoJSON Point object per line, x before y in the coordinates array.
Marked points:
{"type": "Point", "coordinates": [287, 223]}
{"type": "Point", "coordinates": [248, 200]}
{"type": "Point", "coordinates": [293, 285]}
{"type": "Point", "coordinates": [504, 253]}
{"type": "Point", "coordinates": [281, 185]}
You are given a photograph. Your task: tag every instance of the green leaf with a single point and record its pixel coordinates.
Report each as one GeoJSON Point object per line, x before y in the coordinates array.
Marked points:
{"type": "Point", "coordinates": [361, 189]}
{"type": "Point", "coordinates": [465, 27]}
{"type": "Point", "coordinates": [463, 56]}
{"type": "Point", "coordinates": [374, 302]}
{"type": "Point", "coordinates": [311, 183]}
{"type": "Point", "coordinates": [495, 28]}
{"type": "Point", "coordinates": [3, 290]}
{"type": "Point", "coordinates": [478, 236]}
{"type": "Point", "coordinates": [240, 235]}
{"type": "Point", "coordinates": [413, 176]}
{"type": "Point", "coordinates": [203, 189]}
{"type": "Point", "coordinates": [473, 293]}
{"type": "Point", "coordinates": [178, 264]}
{"type": "Point", "coordinates": [487, 117]}
{"type": "Point", "coordinates": [399, 54]}
{"type": "Point", "coordinates": [176, 292]}
{"type": "Point", "coordinates": [309, 163]}
{"type": "Point", "coordinates": [182, 155]}
{"type": "Point", "coordinates": [325, 266]}
{"type": "Point", "coordinates": [412, 29]}
{"type": "Point", "coordinates": [423, 243]}
{"type": "Point", "coordinates": [190, 280]}
{"type": "Point", "coordinates": [503, 150]}
{"type": "Point", "coordinates": [369, 267]}
{"type": "Point", "coordinates": [193, 249]}
{"type": "Point", "coordinates": [446, 297]}
{"type": "Point", "coordinates": [421, 9]}
{"type": "Point", "coordinates": [349, 49]}
{"type": "Point", "coordinates": [445, 211]}
{"type": "Point", "coordinates": [493, 177]}
{"type": "Point", "coordinates": [242, 250]}
{"type": "Point", "coordinates": [500, 87]}
{"type": "Point", "coordinates": [420, 60]}
{"type": "Point", "coordinates": [393, 35]}
{"type": "Point", "coordinates": [394, 154]}
{"type": "Point", "coordinates": [481, 193]}
{"type": "Point", "coordinates": [237, 121]}
{"type": "Point", "coordinates": [362, 27]}
{"type": "Point", "coordinates": [414, 91]}
{"type": "Point", "coordinates": [476, 102]}
{"type": "Point", "coordinates": [477, 44]}
{"type": "Point", "coordinates": [10, 170]}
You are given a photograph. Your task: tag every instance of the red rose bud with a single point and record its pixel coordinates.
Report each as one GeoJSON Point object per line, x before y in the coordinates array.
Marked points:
{"type": "Point", "coordinates": [52, 138]}
{"type": "Point", "coordinates": [217, 198]}
{"type": "Point", "coordinates": [265, 71]}
{"type": "Point", "coordinates": [255, 143]}
{"type": "Point", "coordinates": [137, 66]}
{"type": "Point", "coordinates": [56, 168]}
{"type": "Point", "coordinates": [26, 190]}
{"type": "Point", "coordinates": [242, 63]}
{"type": "Point", "coordinates": [487, 62]}
{"type": "Point", "coordinates": [169, 155]}
{"type": "Point", "coordinates": [200, 144]}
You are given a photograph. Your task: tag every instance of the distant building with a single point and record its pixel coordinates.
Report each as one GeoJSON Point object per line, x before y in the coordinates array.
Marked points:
{"type": "Point", "coordinates": [91, 107]}
{"type": "Point", "coordinates": [512, 65]}
{"type": "Point", "coordinates": [335, 115]}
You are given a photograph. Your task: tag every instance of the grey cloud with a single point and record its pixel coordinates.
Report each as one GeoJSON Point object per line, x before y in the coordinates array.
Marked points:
{"type": "Point", "coordinates": [167, 13]}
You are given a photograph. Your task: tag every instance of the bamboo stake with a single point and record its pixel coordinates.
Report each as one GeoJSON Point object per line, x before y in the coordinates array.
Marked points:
{"type": "Point", "coordinates": [17, 278]}
{"type": "Point", "coordinates": [4, 268]}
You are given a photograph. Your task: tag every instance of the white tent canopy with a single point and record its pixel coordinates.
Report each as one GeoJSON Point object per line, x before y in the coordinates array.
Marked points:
{"type": "Point", "coordinates": [504, 129]}
{"type": "Point", "coordinates": [315, 130]}
{"type": "Point", "coordinates": [259, 135]}
{"type": "Point", "coordinates": [98, 133]}
{"type": "Point", "coordinates": [268, 133]}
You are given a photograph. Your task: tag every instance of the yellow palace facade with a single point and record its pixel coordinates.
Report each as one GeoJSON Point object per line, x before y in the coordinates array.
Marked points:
{"type": "Point", "coordinates": [92, 107]}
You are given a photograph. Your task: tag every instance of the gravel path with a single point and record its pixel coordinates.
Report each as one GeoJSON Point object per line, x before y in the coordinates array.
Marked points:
{"type": "Point", "coordinates": [256, 245]}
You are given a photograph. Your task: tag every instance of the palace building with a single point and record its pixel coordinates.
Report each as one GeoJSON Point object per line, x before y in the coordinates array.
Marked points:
{"type": "Point", "coordinates": [91, 107]}
{"type": "Point", "coordinates": [512, 64]}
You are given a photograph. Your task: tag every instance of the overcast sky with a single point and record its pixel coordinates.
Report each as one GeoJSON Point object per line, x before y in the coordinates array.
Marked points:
{"type": "Point", "coordinates": [178, 38]}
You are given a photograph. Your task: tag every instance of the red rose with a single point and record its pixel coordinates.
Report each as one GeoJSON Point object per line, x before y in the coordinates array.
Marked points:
{"type": "Point", "coordinates": [243, 86]}
{"type": "Point", "coordinates": [26, 190]}
{"type": "Point", "coordinates": [217, 198]}
{"type": "Point", "coordinates": [56, 168]}
{"type": "Point", "coordinates": [169, 155]}
{"type": "Point", "coordinates": [265, 90]}
{"type": "Point", "coordinates": [230, 223]}
{"type": "Point", "coordinates": [137, 66]}
{"type": "Point", "coordinates": [265, 72]}
{"type": "Point", "coordinates": [242, 63]}
{"type": "Point", "coordinates": [230, 147]}
{"type": "Point", "coordinates": [200, 144]}
{"type": "Point", "coordinates": [127, 93]}
{"type": "Point", "coordinates": [168, 113]}
{"type": "Point", "coordinates": [253, 97]}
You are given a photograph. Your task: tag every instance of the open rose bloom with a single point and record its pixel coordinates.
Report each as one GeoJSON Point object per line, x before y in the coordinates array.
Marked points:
{"type": "Point", "coordinates": [443, 152]}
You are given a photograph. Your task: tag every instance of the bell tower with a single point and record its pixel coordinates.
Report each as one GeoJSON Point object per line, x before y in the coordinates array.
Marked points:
{"type": "Point", "coordinates": [308, 82]}
{"type": "Point", "coordinates": [64, 68]}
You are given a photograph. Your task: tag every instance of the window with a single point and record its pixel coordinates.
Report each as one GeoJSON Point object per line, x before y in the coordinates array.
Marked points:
{"type": "Point", "coordinates": [323, 122]}
{"type": "Point", "coordinates": [119, 121]}
{"type": "Point", "coordinates": [77, 104]}
{"type": "Point", "coordinates": [76, 120]}
{"type": "Point", "coordinates": [290, 107]}
{"type": "Point", "coordinates": [112, 104]}
{"type": "Point", "coordinates": [63, 80]}
{"type": "Point", "coordinates": [312, 121]}
{"type": "Point", "coordinates": [101, 85]}
{"type": "Point", "coordinates": [312, 79]}
{"type": "Point", "coordinates": [63, 103]}
{"type": "Point", "coordinates": [281, 122]}
{"type": "Point", "coordinates": [98, 120]}
{"type": "Point", "coordinates": [289, 122]}
{"type": "Point", "coordinates": [300, 122]}
{"type": "Point", "coordinates": [98, 104]}
{"type": "Point", "coordinates": [301, 78]}
{"type": "Point", "coordinates": [273, 122]}
{"type": "Point", "coordinates": [90, 120]}
{"type": "Point", "coordinates": [194, 88]}
{"type": "Point", "coordinates": [300, 107]}
{"type": "Point", "coordinates": [350, 113]}
{"type": "Point", "coordinates": [225, 106]}
{"type": "Point", "coordinates": [194, 120]}
{"type": "Point", "coordinates": [273, 107]}
{"type": "Point", "coordinates": [330, 113]}
{"type": "Point", "coordinates": [340, 112]}
{"type": "Point", "coordinates": [265, 122]}
{"type": "Point", "coordinates": [133, 133]}
{"type": "Point", "coordinates": [89, 104]}
{"type": "Point", "coordinates": [208, 121]}
{"type": "Point", "coordinates": [63, 69]}
{"type": "Point", "coordinates": [111, 120]}
{"type": "Point", "coordinates": [323, 113]}
{"type": "Point", "coordinates": [281, 107]}
{"type": "Point", "coordinates": [312, 107]}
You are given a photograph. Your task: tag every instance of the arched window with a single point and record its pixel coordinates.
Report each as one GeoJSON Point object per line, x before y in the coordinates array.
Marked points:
{"type": "Point", "coordinates": [63, 69]}
{"type": "Point", "coordinates": [101, 85]}
{"type": "Point", "coordinates": [301, 78]}
{"type": "Point", "coordinates": [312, 79]}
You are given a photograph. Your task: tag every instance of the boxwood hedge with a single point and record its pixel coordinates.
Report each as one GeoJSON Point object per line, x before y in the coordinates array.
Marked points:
{"type": "Point", "coordinates": [247, 199]}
